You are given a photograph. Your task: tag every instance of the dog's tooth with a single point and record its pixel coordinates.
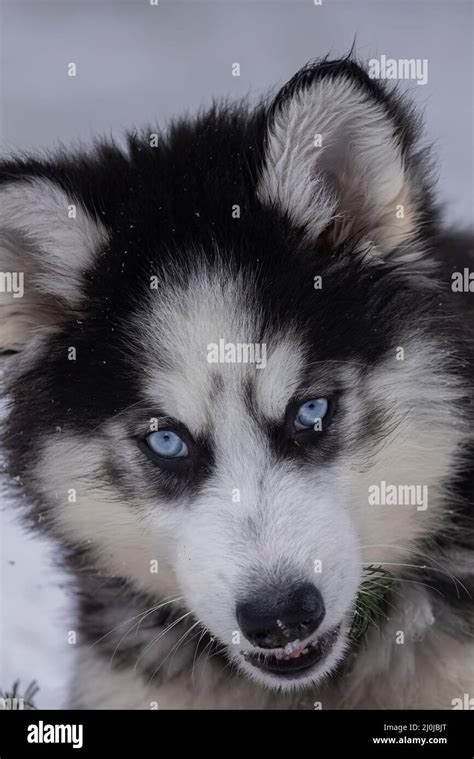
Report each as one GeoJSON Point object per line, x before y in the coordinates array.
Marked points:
{"type": "Point", "coordinates": [293, 646]}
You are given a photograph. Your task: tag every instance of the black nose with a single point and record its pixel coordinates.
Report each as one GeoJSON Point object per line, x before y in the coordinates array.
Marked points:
{"type": "Point", "coordinates": [272, 620]}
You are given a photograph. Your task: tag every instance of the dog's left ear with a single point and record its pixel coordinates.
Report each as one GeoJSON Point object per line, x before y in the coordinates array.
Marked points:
{"type": "Point", "coordinates": [340, 159]}
{"type": "Point", "coordinates": [48, 242]}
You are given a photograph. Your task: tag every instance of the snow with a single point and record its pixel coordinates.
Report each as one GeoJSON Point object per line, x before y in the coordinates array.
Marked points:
{"type": "Point", "coordinates": [35, 614]}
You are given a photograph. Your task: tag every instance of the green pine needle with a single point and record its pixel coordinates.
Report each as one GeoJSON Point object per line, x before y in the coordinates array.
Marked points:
{"type": "Point", "coordinates": [370, 602]}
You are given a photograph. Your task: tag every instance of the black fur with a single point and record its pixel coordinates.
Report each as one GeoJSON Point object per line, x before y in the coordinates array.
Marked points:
{"type": "Point", "coordinates": [158, 204]}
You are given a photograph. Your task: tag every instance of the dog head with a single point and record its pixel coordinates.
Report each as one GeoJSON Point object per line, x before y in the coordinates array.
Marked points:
{"type": "Point", "coordinates": [228, 340]}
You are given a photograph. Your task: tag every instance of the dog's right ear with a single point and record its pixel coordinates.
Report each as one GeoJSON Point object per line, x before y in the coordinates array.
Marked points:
{"type": "Point", "coordinates": [341, 160]}
{"type": "Point", "coordinates": [48, 241]}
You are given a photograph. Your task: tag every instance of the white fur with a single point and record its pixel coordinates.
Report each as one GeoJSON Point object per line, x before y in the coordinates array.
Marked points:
{"type": "Point", "coordinates": [257, 516]}
{"type": "Point", "coordinates": [52, 251]}
{"type": "Point", "coordinates": [356, 176]}
{"type": "Point", "coordinates": [428, 670]}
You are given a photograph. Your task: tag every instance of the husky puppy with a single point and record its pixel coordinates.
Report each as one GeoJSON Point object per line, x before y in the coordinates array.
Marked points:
{"type": "Point", "coordinates": [241, 402]}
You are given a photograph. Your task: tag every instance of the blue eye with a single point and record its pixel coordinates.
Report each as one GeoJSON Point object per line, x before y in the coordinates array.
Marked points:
{"type": "Point", "coordinates": [309, 413]}
{"type": "Point", "coordinates": [167, 444]}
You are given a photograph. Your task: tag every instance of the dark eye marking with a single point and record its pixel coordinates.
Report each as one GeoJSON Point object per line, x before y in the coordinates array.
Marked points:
{"type": "Point", "coordinates": [171, 448]}
{"type": "Point", "coordinates": [304, 428]}
{"type": "Point", "coordinates": [180, 460]}
{"type": "Point", "coordinates": [309, 415]}
{"type": "Point", "coordinates": [167, 444]}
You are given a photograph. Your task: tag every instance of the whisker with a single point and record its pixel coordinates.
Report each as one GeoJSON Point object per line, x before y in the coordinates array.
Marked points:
{"type": "Point", "coordinates": [158, 637]}
{"type": "Point", "coordinates": [195, 653]}
{"type": "Point", "coordinates": [174, 649]}
{"type": "Point", "coordinates": [180, 642]}
{"type": "Point", "coordinates": [150, 611]}
{"type": "Point", "coordinates": [130, 629]}
{"type": "Point", "coordinates": [142, 614]}
{"type": "Point", "coordinates": [205, 648]}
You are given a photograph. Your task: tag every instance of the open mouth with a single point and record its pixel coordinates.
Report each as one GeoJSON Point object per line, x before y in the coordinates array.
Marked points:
{"type": "Point", "coordinates": [296, 658]}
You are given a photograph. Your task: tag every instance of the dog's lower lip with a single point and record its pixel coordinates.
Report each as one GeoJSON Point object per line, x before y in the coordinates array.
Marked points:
{"type": "Point", "coordinates": [315, 652]}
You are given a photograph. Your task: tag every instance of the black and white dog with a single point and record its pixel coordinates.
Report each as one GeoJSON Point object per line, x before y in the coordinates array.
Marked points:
{"type": "Point", "coordinates": [241, 401]}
